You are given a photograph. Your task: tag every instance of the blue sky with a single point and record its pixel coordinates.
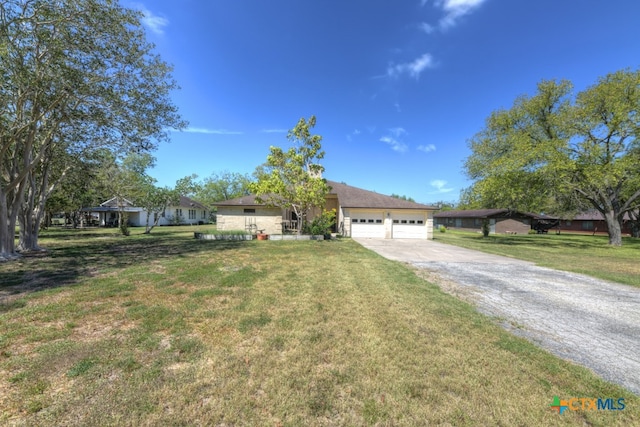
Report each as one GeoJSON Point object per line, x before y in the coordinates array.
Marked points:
{"type": "Point", "coordinates": [398, 87]}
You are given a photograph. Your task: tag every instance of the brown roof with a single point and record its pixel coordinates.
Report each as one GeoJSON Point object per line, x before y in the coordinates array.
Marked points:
{"type": "Point", "coordinates": [348, 197]}
{"type": "Point", "coordinates": [353, 197]}
{"type": "Point", "coordinates": [185, 201]}
{"type": "Point", "coordinates": [487, 213]}
{"type": "Point", "coordinates": [240, 201]}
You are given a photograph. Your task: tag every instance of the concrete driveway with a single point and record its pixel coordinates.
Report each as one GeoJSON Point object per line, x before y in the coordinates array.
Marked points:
{"type": "Point", "coordinates": [588, 321]}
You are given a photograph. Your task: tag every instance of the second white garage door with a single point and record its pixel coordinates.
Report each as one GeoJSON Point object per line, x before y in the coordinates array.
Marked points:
{"type": "Point", "coordinates": [409, 226]}
{"type": "Point", "coordinates": [367, 225]}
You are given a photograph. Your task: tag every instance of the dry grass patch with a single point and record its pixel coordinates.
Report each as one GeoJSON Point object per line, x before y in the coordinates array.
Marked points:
{"type": "Point", "coordinates": [270, 333]}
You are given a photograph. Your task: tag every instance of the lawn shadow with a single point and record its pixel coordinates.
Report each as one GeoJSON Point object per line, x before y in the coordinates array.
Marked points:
{"type": "Point", "coordinates": [71, 257]}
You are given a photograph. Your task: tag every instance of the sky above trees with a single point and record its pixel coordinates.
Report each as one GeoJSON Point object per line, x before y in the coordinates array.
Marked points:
{"type": "Point", "coordinates": [398, 88]}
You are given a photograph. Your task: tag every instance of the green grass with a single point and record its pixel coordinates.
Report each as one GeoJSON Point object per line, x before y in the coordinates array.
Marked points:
{"type": "Point", "coordinates": [590, 255]}
{"type": "Point", "coordinates": [169, 330]}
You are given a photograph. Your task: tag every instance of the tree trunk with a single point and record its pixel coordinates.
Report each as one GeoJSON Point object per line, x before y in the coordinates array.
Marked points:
{"type": "Point", "coordinates": [32, 211]}
{"type": "Point", "coordinates": [614, 228]}
{"type": "Point", "coordinates": [634, 223]}
{"type": "Point", "coordinates": [29, 231]}
{"type": "Point", "coordinates": [7, 229]}
{"type": "Point", "coordinates": [6, 238]}
{"type": "Point", "coordinates": [148, 227]}
{"type": "Point", "coordinates": [10, 203]}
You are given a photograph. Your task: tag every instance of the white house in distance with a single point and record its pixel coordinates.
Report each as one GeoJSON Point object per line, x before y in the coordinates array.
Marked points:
{"type": "Point", "coordinates": [359, 213]}
{"type": "Point", "coordinates": [187, 211]}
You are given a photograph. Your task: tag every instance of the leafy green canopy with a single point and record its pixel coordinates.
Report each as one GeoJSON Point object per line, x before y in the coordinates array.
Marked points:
{"type": "Point", "coordinates": [292, 179]}
{"type": "Point", "coordinates": [77, 76]}
{"type": "Point", "coordinates": [560, 152]}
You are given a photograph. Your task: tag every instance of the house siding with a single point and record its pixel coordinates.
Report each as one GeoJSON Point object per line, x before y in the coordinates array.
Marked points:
{"type": "Point", "coordinates": [235, 218]}
{"type": "Point", "coordinates": [510, 225]}
{"type": "Point", "coordinates": [594, 226]}
{"type": "Point", "coordinates": [503, 225]}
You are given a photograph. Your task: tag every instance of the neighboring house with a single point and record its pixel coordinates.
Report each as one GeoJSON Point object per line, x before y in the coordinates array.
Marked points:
{"type": "Point", "coordinates": [359, 213]}
{"type": "Point", "coordinates": [591, 222]}
{"type": "Point", "coordinates": [186, 212]}
{"type": "Point", "coordinates": [501, 221]}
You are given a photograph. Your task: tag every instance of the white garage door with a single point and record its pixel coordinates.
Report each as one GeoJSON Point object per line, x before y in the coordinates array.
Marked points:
{"type": "Point", "coordinates": [367, 225]}
{"type": "Point", "coordinates": [409, 226]}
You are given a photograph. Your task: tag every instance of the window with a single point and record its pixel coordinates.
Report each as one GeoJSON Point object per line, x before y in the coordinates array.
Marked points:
{"type": "Point", "coordinates": [192, 214]}
{"type": "Point", "coordinates": [404, 221]}
{"type": "Point", "coordinates": [567, 223]}
{"type": "Point", "coordinates": [371, 221]}
{"type": "Point", "coordinates": [378, 221]}
{"type": "Point", "coordinates": [420, 221]}
{"type": "Point", "coordinates": [587, 225]}
{"type": "Point", "coordinates": [247, 210]}
{"type": "Point", "coordinates": [395, 221]}
{"type": "Point", "coordinates": [411, 221]}
{"type": "Point", "coordinates": [179, 212]}
{"type": "Point", "coordinates": [476, 221]}
{"type": "Point", "coordinates": [204, 214]}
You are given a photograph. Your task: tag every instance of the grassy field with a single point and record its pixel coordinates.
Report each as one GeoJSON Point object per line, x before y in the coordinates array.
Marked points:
{"type": "Point", "coordinates": [591, 255]}
{"type": "Point", "coordinates": [168, 330]}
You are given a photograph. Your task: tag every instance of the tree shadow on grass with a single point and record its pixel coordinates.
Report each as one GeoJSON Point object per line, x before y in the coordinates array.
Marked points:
{"type": "Point", "coordinates": [72, 257]}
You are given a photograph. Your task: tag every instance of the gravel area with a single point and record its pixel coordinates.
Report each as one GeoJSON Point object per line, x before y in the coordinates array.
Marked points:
{"type": "Point", "coordinates": [589, 321]}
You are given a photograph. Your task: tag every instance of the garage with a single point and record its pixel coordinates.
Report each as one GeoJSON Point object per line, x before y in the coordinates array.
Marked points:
{"type": "Point", "coordinates": [409, 226]}
{"type": "Point", "coordinates": [367, 225]}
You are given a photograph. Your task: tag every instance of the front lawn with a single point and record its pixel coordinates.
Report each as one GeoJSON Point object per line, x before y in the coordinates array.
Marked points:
{"type": "Point", "coordinates": [590, 255]}
{"type": "Point", "coordinates": [168, 330]}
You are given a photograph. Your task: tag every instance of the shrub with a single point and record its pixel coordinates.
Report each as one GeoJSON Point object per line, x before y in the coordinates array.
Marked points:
{"type": "Point", "coordinates": [485, 228]}
{"type": "Point", "coordinates": [322, 224]}
{"type": "Point", "coordinates": [230, 232]}
{"type": "Point", "coordinates": [442, 229]}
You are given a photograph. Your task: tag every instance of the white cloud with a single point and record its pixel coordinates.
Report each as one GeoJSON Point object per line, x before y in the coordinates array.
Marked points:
{"type": "Point", "coordinates": [440, 186]}
{"type": "Point", "coordinates": [455, 9]}
{"type": "Point", "coordinates": [212, 131]}
{"type": "Point", "coordinates": [154, 22]}
{"type": "Point", "coordinates": [452, 11]}
{"type": "Point", "coordinates": [355, 132]}
{"type": "Point", "coordinates": [394, 139]}
{"type": "Point", "coordinates": [396, 145]}
{"type": "Point", "coordinates": [427, 148]}
{"type": "Point", "coordinates": [427, 28]}
{"type": "Point", "coordinates": [398, 132]}
{"type": "Point", "coordinates": [413, 68]}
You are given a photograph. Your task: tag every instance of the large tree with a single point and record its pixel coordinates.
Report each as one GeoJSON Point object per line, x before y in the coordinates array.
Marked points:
{"type": "Point", "coordinates": [223, 186]}
{"type": "Point", "coordinates": [77, 75]}
{"type": "Point", "coordinates": [560, 151]}
{"type": "Point", "coordinates": [292, 179]}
